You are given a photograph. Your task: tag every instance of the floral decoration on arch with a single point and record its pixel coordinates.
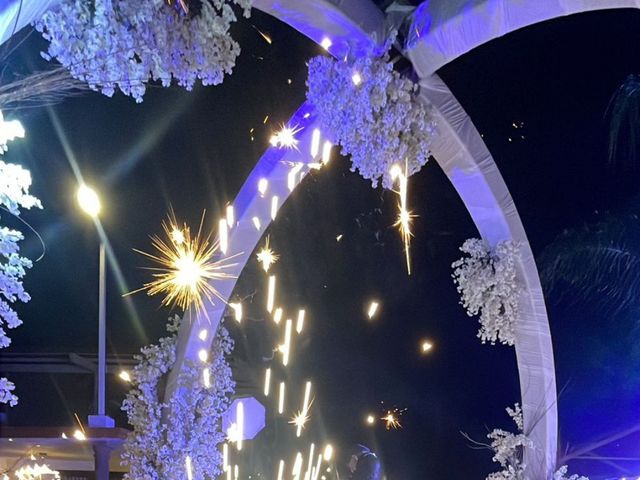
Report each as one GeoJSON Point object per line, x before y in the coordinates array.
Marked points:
{"type": "Point", "coordinates": [487, 282]}
{"type": "Point", "coordinates": [373, 113]}
{"type": "Point", "coordinates": [123, 44]}
{"type": "Point", "coordinates": [15, 182]}
{"type": "Point", "coordinates": [157, 447]}
{"type": "Point", "coordinates": [508, 451]}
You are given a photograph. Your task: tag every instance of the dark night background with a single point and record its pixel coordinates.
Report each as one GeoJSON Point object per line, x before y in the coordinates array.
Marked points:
{"type": "Point", "coordinates": [193, 150]}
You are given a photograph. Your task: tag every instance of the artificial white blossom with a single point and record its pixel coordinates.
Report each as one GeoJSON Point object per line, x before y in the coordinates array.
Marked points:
{"type": "Point", "coordinates": [561, 474]}
{"type": "Point", "coordinates": [373, 113]}
{"type": "Point", "coordinates": [15, 182]}
{"type": "Point", "coordinates": [124, 44]}
{"type": "Point", "coordinates": [487, 283]}
{"type": "Point", "coordinates": [508, 451]}
{"type": "Point", "coordinates": [158, 444]}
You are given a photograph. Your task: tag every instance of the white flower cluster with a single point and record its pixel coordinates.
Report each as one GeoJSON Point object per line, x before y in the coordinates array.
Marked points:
{"type": "Point", "coordinates": [123, 44]}
{"type": "Point", "coordinates": [487, 283]}
{"type": "Point", "coordinates": [373, 113]}
{"type": "Point", "coordinates": [508, 449]}
{"type": "Point", "coordinates": [157, 447]}
{"type": "Point", "coordinates": [14, 194]}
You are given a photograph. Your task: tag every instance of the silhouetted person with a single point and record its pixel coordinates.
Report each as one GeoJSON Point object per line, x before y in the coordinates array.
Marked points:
{"type": "Point", "coordinates": [363, 464]}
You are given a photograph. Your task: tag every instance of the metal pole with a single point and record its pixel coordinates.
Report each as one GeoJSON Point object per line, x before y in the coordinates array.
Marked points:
{"type": "Point", "coordinates": [102, 333]}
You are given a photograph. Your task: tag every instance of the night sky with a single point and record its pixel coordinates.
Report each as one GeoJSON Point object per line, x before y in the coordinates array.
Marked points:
{"type": "Point", "coordinates": [192, 151]}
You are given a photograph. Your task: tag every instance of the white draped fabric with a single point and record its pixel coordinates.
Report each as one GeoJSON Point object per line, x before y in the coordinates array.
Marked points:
{"type": "Point", "coordinates": [15, 15]}
{"type": "Point", "coordinates": [463, 156]}
{"type": "Point", "coordinates": [446, 29]}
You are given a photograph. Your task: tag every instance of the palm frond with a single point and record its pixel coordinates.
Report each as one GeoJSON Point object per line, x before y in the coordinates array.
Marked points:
{"type": "Point", "coordinates": [40, 88]}
{"type": "Point", "coordinates": [597, 263]}
{"type": "Point", "coordinates": [624, 122]}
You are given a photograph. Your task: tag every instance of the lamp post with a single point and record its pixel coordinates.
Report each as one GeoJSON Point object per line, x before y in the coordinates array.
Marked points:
{"type": "Point", "coordinates": [90, 203]}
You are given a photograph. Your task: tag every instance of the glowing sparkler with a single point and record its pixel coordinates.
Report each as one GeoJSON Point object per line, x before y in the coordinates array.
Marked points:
{"type": "Point", "coordinates": [286, 137]}
{"type": "Point", "coordinates": [286, 346]}
{"type": "Point", "coordinates": [292, 176]}
{"type": "Point", "coordinates": [266, 37]}
{"type": "Point", "coordinates": [315, 143]}
{"type": "Point", "coordinates": [326, 152]}
{"type": "Point", "coordinates": [240, 424]}
{"type": "Point", "coordinates": [186, 268]}
{"type": "Point", "coordinates": [79, 435]}
{"type": "Point", "coordinates": [267, 381]}
{"type": "Point", "coordinates": [371, 419]}
{"type": "Point", "coordinates": [297, 466]}
{"type": "Point", "coordinates": [274, 206]}
{"type": "Point", "coordinates": [326, 43]}
{"type": "Point", "coordinates": [281, 398]}
{"type": "Point", "coordinates": [281, 470]}
{"type": "Point", "coordinates": [392, 418]}
{"type": "Point", "coordinates": [405, 217]}
{"type": "Point", "coordinates": [328, 453]}
{"type": "Point", "coordinates": [426, 346]}
{"type": "Point", "coordinates": [223, 235]}
{"type": "Point", "coordinates": [256, 222]}
{"type": "Point", "coordinates": [271, 293]}
{"type": "Point", "coordinates": [237, 311]}
{"type": "Point", "coordinates": [307, 475]}
{"type": "Point", "coordinates": [231, 216]}
{"type": "Point", "coordinates": [356, 78]}
{"type": "Point", "coordinates": [187, 464]}
{"type": "Point", "coordinates": [373, 309]}
{"type": "Point", "coordinates": [316, 470]}
{"type": "Point", "coordinates": [263, 184]}
{"type": "Point", "coordinates": [266, 256]}
{"type": "Point", "coordinates": [300, 322]}
{"type": "Point", "coordinates": [203, 334]}
{"type": "Point", "coordinates": [124, 375]}
{"type": "Point", "coordinates": [203, 355]}
{"type": "Point", "coordinates": [277, 316]}
{"type": "Point", "coordinates": [301, 418]}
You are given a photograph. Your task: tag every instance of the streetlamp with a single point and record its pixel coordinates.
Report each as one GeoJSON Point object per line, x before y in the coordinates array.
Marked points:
{"type": "Point", "coordinates": [90, 203]}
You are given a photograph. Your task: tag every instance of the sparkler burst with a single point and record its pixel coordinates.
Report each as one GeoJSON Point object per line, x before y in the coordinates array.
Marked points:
{"type": "Point", "coordinates": [405, 217]}
{"type": "Point", "coordinates": [266, 256]}
{"type": "Point", "coordinates": [392, 418]}
{"type": "Point", "coordinates": [286, 137]}
{"type": "Point", "coordinates": [300, 419]}
{"type": "Point", "coordinates": [186, 267]}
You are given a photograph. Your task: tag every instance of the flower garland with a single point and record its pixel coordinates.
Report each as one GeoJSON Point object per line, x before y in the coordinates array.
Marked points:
{"type": "Point", "coordinates": [123, 44]}
{"type": "Point", "coordinates": [373, 113]}
{"type": "Point", "coordinates": [156, 449]}
{"type": "Point", "coordinates": [486, 281]}
{"type": "Point", "coordinates": [14, 193]}
{"type": "Point", "coordinates": [508, 449]}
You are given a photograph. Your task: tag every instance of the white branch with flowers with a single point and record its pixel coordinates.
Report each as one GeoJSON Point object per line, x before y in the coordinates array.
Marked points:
{"type": "Point", "coordinates": [157, 447]}
{"type": "Point", "coordinates": [124, 44]}
{"type": "Point", "coordinates": [488, 286]}
{"type": "Point", "coordinates": [15, 182]}
{"type": "Point", "coordinates": [373, 113]}
{"type": "Point", "coordinates": [508, 451]}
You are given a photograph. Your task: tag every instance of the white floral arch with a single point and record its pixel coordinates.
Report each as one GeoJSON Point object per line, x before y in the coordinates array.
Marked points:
{"type": "Point", "coordinates": [448, 28]}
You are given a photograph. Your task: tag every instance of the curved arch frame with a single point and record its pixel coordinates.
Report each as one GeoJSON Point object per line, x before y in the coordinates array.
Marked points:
{"type": "Point", "coordinates": [447, 30]}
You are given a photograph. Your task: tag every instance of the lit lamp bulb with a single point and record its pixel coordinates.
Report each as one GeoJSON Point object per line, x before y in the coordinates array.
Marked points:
{"type": "Point", "coordinates": [88, 200]}
{"type": "Point", "coordinates": [370, 419]}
